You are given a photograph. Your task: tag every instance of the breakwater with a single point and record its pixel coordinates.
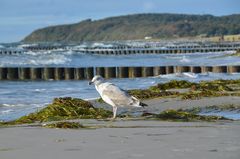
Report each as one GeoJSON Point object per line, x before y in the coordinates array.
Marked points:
{"type": "Point", "coordinates": [58, 73]}
{"type": "Point", "coordinates": [128, 51]}
{"type": "Point", "coordinates": [126, 48]}
{"type": "Point", "coordinates": [158, 48]}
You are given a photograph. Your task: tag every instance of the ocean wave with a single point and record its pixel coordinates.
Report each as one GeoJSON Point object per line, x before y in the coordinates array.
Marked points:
{"type": "Point", "coordinates": [181, 75]}
{"type": "Point", "coordinates": [6, 111]}
{"type": "Point", "coordinates": [49, 52]}
{"type": "Point", "coordinates": [40, 90]}
{"type": "Point", "coordinates": [7, 105]}
{"type": "Point", "coordinates": [49, 60]}
{"type": "Point", "coordinates": [185, 59]}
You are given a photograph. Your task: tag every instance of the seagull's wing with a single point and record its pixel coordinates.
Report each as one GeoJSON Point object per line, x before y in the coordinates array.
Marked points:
{"type": "Point", "coordinates": [118, 96]}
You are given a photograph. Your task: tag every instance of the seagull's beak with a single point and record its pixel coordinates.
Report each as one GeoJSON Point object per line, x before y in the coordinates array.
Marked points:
{"type": "Point", "coordinates": [89, 83]}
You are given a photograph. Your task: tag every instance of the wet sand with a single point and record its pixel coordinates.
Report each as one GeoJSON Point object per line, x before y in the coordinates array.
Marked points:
{"type": "Point", "coordinates": [125, 138]}
{"type": "Point", "coordinates": [129, 139]}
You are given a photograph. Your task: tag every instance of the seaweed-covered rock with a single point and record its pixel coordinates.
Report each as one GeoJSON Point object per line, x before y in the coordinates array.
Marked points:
{"type": "Point", "coordinates": [65, 108]}
{"type": "Point", "coordinates": [199, 94]}
{"type": "Point", "coordinates": [148, 93]}
{"type": "Point", "coordinates": [173, 84]}
{"type": "Point", "coordinates": [216, 85]}
{"type": "Point", "coordinates": [179, 115]}
{"type": "Point", "coordinates": [64, 125]}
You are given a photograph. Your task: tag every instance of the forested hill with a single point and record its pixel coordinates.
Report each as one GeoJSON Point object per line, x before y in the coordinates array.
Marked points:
{"type": "Point", "coordinates": [138, 26]}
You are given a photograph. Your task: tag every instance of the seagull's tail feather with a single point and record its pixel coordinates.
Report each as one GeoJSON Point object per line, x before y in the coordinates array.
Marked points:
{"type": "Point", "coordinates": [137, 103]}
{"type": "Point", "coordinates": [143, 104]}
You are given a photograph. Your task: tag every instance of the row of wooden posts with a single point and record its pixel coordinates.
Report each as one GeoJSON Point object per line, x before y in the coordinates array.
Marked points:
{"type": "Point", "coordinates": [50, 73]}
{"type": "Point", "coordinates": [153, 51]}
{"type": "Point", "coordinates": [128, 51]}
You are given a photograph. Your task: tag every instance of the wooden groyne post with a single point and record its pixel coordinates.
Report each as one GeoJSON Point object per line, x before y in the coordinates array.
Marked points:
{"type": "Point", "coordinates": [69, 73]}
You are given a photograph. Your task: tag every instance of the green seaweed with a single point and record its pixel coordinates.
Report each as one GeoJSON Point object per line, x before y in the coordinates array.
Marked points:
{"type": "Point", "coordinates": [214, 88]}
{"type": "Point", "coordinates": [180, 115]}
{"type": "Point", "coordinates": [64, 125]}
{"type": "Point", "coordinates": [192, 95]}
{"type": "Point", "coordinates": [148, 93]}
{"type": "Point", "coordinates": [173, 84]}
{"type": "Point", "coordinates": [215, 85]}
{"type": "Point", "coordinates": [63, 109]}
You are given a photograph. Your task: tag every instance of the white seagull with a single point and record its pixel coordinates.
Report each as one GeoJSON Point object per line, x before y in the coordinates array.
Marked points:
{"type": "Point", "coordinates": [113, 95]}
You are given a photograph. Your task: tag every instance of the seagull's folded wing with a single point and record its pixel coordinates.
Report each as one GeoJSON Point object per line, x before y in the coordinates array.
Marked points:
{"type": "Point", "coordinates": [116, 95]}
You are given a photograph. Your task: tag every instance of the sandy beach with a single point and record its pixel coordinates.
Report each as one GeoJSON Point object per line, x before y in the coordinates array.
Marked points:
{"type": "Point", "coordinates": [132, 138]}
{"type": "Point", "coordinates": [128, 139]}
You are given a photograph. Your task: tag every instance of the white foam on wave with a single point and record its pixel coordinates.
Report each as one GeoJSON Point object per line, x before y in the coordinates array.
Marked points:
{"type": "Point", "coordinates": [185, 59]}
{"type": "Point", "coordinates": [12, 105]}
{"type": "Point", "coordinates": [56, 52]}
{"type": "Point", "coordinates": [40, 90]}
{"type": "Point", "coordinates": [190, 75]}
{"type": "Point", "coordinates": [7, 105]}
{"type": "Point", "coordinates": [49, 60]}
{"type": "Point", "coordinates": [6, 111]}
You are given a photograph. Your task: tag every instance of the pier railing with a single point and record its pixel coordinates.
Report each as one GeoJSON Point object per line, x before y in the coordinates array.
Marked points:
{"type": "Point", "coordinates": [60, 73]}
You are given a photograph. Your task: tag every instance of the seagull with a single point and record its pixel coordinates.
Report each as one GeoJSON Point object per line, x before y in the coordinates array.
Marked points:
{"type": "Point", "coordinates": [113, 95]}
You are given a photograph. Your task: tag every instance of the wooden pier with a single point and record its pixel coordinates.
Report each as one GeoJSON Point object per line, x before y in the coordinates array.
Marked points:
{"type": "Point", "coordinates": [60, 73]}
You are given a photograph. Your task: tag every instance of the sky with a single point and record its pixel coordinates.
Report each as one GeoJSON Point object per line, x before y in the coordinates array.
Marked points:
{"type": "Point", "coordinates": [18, 18]}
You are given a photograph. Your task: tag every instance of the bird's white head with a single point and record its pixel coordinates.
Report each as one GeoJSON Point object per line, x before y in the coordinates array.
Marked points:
{"type": "Point", "coordinates": [96, 80]}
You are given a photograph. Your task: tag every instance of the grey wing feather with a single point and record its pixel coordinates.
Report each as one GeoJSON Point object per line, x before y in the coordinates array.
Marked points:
{"type": "Point", "coordinates": [117, 95]}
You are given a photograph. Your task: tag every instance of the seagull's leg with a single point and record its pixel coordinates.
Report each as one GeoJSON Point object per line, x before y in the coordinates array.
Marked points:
{"type": "Point", "coordinates": [114, 112]}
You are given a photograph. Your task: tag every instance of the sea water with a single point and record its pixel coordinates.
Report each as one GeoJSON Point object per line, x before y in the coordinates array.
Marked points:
{"type": "Point", "coordinates": [19, 98]}
{"type": "Point", "coordinates": [77, 59]}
